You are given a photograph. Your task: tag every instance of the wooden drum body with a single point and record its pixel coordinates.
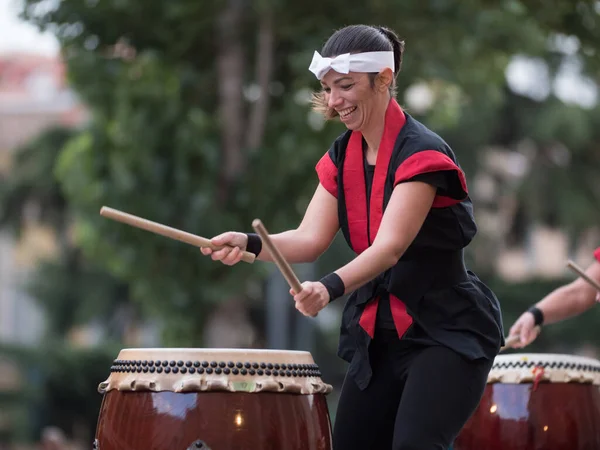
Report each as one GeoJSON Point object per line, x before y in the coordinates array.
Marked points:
{"type": "Point", "coordinates": [537, 401]}
{"type": "Point", "coordinates": [211, 399]}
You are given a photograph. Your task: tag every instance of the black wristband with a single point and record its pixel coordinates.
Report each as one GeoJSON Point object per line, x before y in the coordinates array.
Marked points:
{"type": "Point", "coordinates": [538, 315]}
{"type": "Point", "coordinates": [254, 244]}
{"type": "Point", "coordinates": [334, 285]}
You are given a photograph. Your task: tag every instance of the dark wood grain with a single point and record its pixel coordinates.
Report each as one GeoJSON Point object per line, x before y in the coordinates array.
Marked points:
{"type": "Point", "coordinates": [555, 416]}
{"type": "Point", "coordinates": [221, 420]}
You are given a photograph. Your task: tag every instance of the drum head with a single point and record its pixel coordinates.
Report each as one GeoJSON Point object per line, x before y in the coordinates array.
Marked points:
{"type": "Point", "coordinates": [554, 368]}
{"type": "Point", "coordinates": [233, 370]}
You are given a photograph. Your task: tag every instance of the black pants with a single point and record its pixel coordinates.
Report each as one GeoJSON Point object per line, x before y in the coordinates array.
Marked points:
{"type": "Point", "coordinates": [418, 398]}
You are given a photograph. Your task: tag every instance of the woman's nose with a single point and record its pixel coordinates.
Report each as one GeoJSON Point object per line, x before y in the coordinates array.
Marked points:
{"type": "Point", "coordinates": [334, 100]}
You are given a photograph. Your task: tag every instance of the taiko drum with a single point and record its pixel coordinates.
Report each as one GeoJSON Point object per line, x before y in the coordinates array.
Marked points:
{"type": "Point", "coordinates": [213, 399]}
{"type": "Point", "coordinates": [537, 401]}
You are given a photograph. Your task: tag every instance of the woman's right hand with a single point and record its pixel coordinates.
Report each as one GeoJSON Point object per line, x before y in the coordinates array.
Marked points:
{"type": "Point", "coordinates": [230, 255]}
{"type": "Point", "coordinates": [525, 329]}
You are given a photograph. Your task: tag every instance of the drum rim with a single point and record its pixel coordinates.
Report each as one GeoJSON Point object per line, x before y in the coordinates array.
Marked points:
{"type": "Point", "coordinates": [545, 358]}
{"type": "Point", "coordinates": [544, 367]}
{"type": "Point", "coordinates": [258, 351]}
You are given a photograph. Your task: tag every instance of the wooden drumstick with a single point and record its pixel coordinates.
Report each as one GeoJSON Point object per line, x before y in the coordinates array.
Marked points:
{"type": "Point", "coordinates": [283, 265]}
{"type": "Point", "coordinates": [166, 231]}
{"type": "Point", "coordinates": [574, 267]}
{"type": "Point", "coordinates": [510, 341]}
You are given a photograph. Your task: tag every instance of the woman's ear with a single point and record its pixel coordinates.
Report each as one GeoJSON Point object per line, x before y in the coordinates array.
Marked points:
{"type": "Point", "coordinates": [384, 79]}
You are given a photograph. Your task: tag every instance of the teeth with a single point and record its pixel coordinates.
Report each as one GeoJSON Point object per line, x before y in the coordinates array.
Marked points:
{"type": "Point", "coordinates": [347, 111]}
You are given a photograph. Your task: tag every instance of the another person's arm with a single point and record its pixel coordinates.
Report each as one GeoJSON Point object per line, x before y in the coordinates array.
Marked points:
{"type": "Point", "coordinates": [563, 303]}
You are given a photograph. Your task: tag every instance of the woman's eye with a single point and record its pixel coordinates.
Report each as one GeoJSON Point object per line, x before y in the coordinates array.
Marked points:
{"type": "Point", "coordinates": [327, 90]}
{"type": "Point", "coordinates": [347, 86]}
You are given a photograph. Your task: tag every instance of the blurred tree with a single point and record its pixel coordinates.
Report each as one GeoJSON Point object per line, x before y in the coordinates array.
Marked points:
{"type": "Point", "coordinates": [29, 192]}
{"type": "Point", "coordinates": [194, 103]}
{"type": "Point", "coordinates": [57, 381]}
{"type": "Point", "coordinates": [562, 189]}
{"type": "Point", "coordinates": [58, 388]}
{"type": "Point", "coordinates": [69, 287]}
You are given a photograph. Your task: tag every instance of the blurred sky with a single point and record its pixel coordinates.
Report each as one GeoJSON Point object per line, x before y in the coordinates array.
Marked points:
{"type": "Point", "coordinates": [19, 36]}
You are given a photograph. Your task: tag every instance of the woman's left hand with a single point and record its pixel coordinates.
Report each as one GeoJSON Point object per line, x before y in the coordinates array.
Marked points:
{"type": "Point", "coordinates": [312, 298]}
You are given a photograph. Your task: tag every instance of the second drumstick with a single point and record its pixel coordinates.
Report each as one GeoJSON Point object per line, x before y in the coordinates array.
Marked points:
{"type": "Point", "coordinates": [278, 258]}
{"type": "Point", "coordinates": [579, 271]}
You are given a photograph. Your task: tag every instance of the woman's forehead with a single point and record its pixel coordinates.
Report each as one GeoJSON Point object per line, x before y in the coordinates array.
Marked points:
{"type": "Point", "coordinates": [332, 77]}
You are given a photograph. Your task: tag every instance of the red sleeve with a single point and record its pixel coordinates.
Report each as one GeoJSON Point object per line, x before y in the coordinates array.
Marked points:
{"type": "Point", "coordinates": [430, 161]}
{"type": "Point", "coordinates": [597, 254]}
{"type": "Point", "coordinates": [327, 172]}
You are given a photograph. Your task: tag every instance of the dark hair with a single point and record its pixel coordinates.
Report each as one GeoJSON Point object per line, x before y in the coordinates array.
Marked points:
{"type": "Point", "coordinates": [360, 39]}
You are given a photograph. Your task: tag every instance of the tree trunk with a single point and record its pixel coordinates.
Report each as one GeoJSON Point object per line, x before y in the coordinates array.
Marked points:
{"type": "Point", "coordinates": [230, 67]}
{"type": "Point", "coordinates": [264, 70]}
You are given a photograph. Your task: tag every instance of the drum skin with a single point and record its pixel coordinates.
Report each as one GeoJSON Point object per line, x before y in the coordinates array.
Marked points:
{"type": "Point", "coordinates": [215, 420]}
{"type": "Point", "coordinates": [548, 412]}
{"type": "Point", "coordinates": [213, 399]}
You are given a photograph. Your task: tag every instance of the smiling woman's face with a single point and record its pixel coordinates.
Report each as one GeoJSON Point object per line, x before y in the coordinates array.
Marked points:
{"type": "Point", "coordinates": [353, 97]}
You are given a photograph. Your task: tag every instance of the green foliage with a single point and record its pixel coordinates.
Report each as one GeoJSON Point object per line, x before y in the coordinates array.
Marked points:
{"type": "Point", "coordinates": [74, 292]}
{"type": "Point", "coordinates": [59, 387]}
{"type": "Point", "coordinates": [70, 289]}
{"type": "Point", "coordinates": [562, 189]}
{"type": "Point", "coordinates": [30, 183]}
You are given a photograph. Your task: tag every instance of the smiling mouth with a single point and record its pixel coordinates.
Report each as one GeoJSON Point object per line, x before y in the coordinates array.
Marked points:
{"type": "Point", "coordinates": [346, 112]}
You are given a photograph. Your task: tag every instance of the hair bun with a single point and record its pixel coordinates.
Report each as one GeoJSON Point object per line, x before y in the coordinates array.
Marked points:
{"type": "Point", "coordinates": [397, 45]}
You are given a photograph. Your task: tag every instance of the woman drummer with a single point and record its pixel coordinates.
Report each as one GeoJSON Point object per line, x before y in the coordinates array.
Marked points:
{"type": "Point", "coordinates": [420, 331]}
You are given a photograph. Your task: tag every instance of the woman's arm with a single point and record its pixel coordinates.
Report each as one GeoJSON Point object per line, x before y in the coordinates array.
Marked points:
{"type": "Point", "coordinates": [405, 213]}
{"type": "Point", "coordinates": [304, 244]}
{"type": "Point", "coordinates": [314, 234]}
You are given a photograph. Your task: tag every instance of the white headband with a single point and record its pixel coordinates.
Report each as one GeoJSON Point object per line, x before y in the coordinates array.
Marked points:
{"type": "Point", "coordinates": [357, 62]}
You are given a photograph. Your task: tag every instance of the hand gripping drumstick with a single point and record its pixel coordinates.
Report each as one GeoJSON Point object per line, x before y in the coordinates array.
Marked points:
{"type": "Point", "coordinates": [511, 340]}
{"type": "Point", "coordinates": [283, 265]}
{"type": "Point", "coordinates": [575, 268]}
{"type": "Point", "coordinates": [163, 230]}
